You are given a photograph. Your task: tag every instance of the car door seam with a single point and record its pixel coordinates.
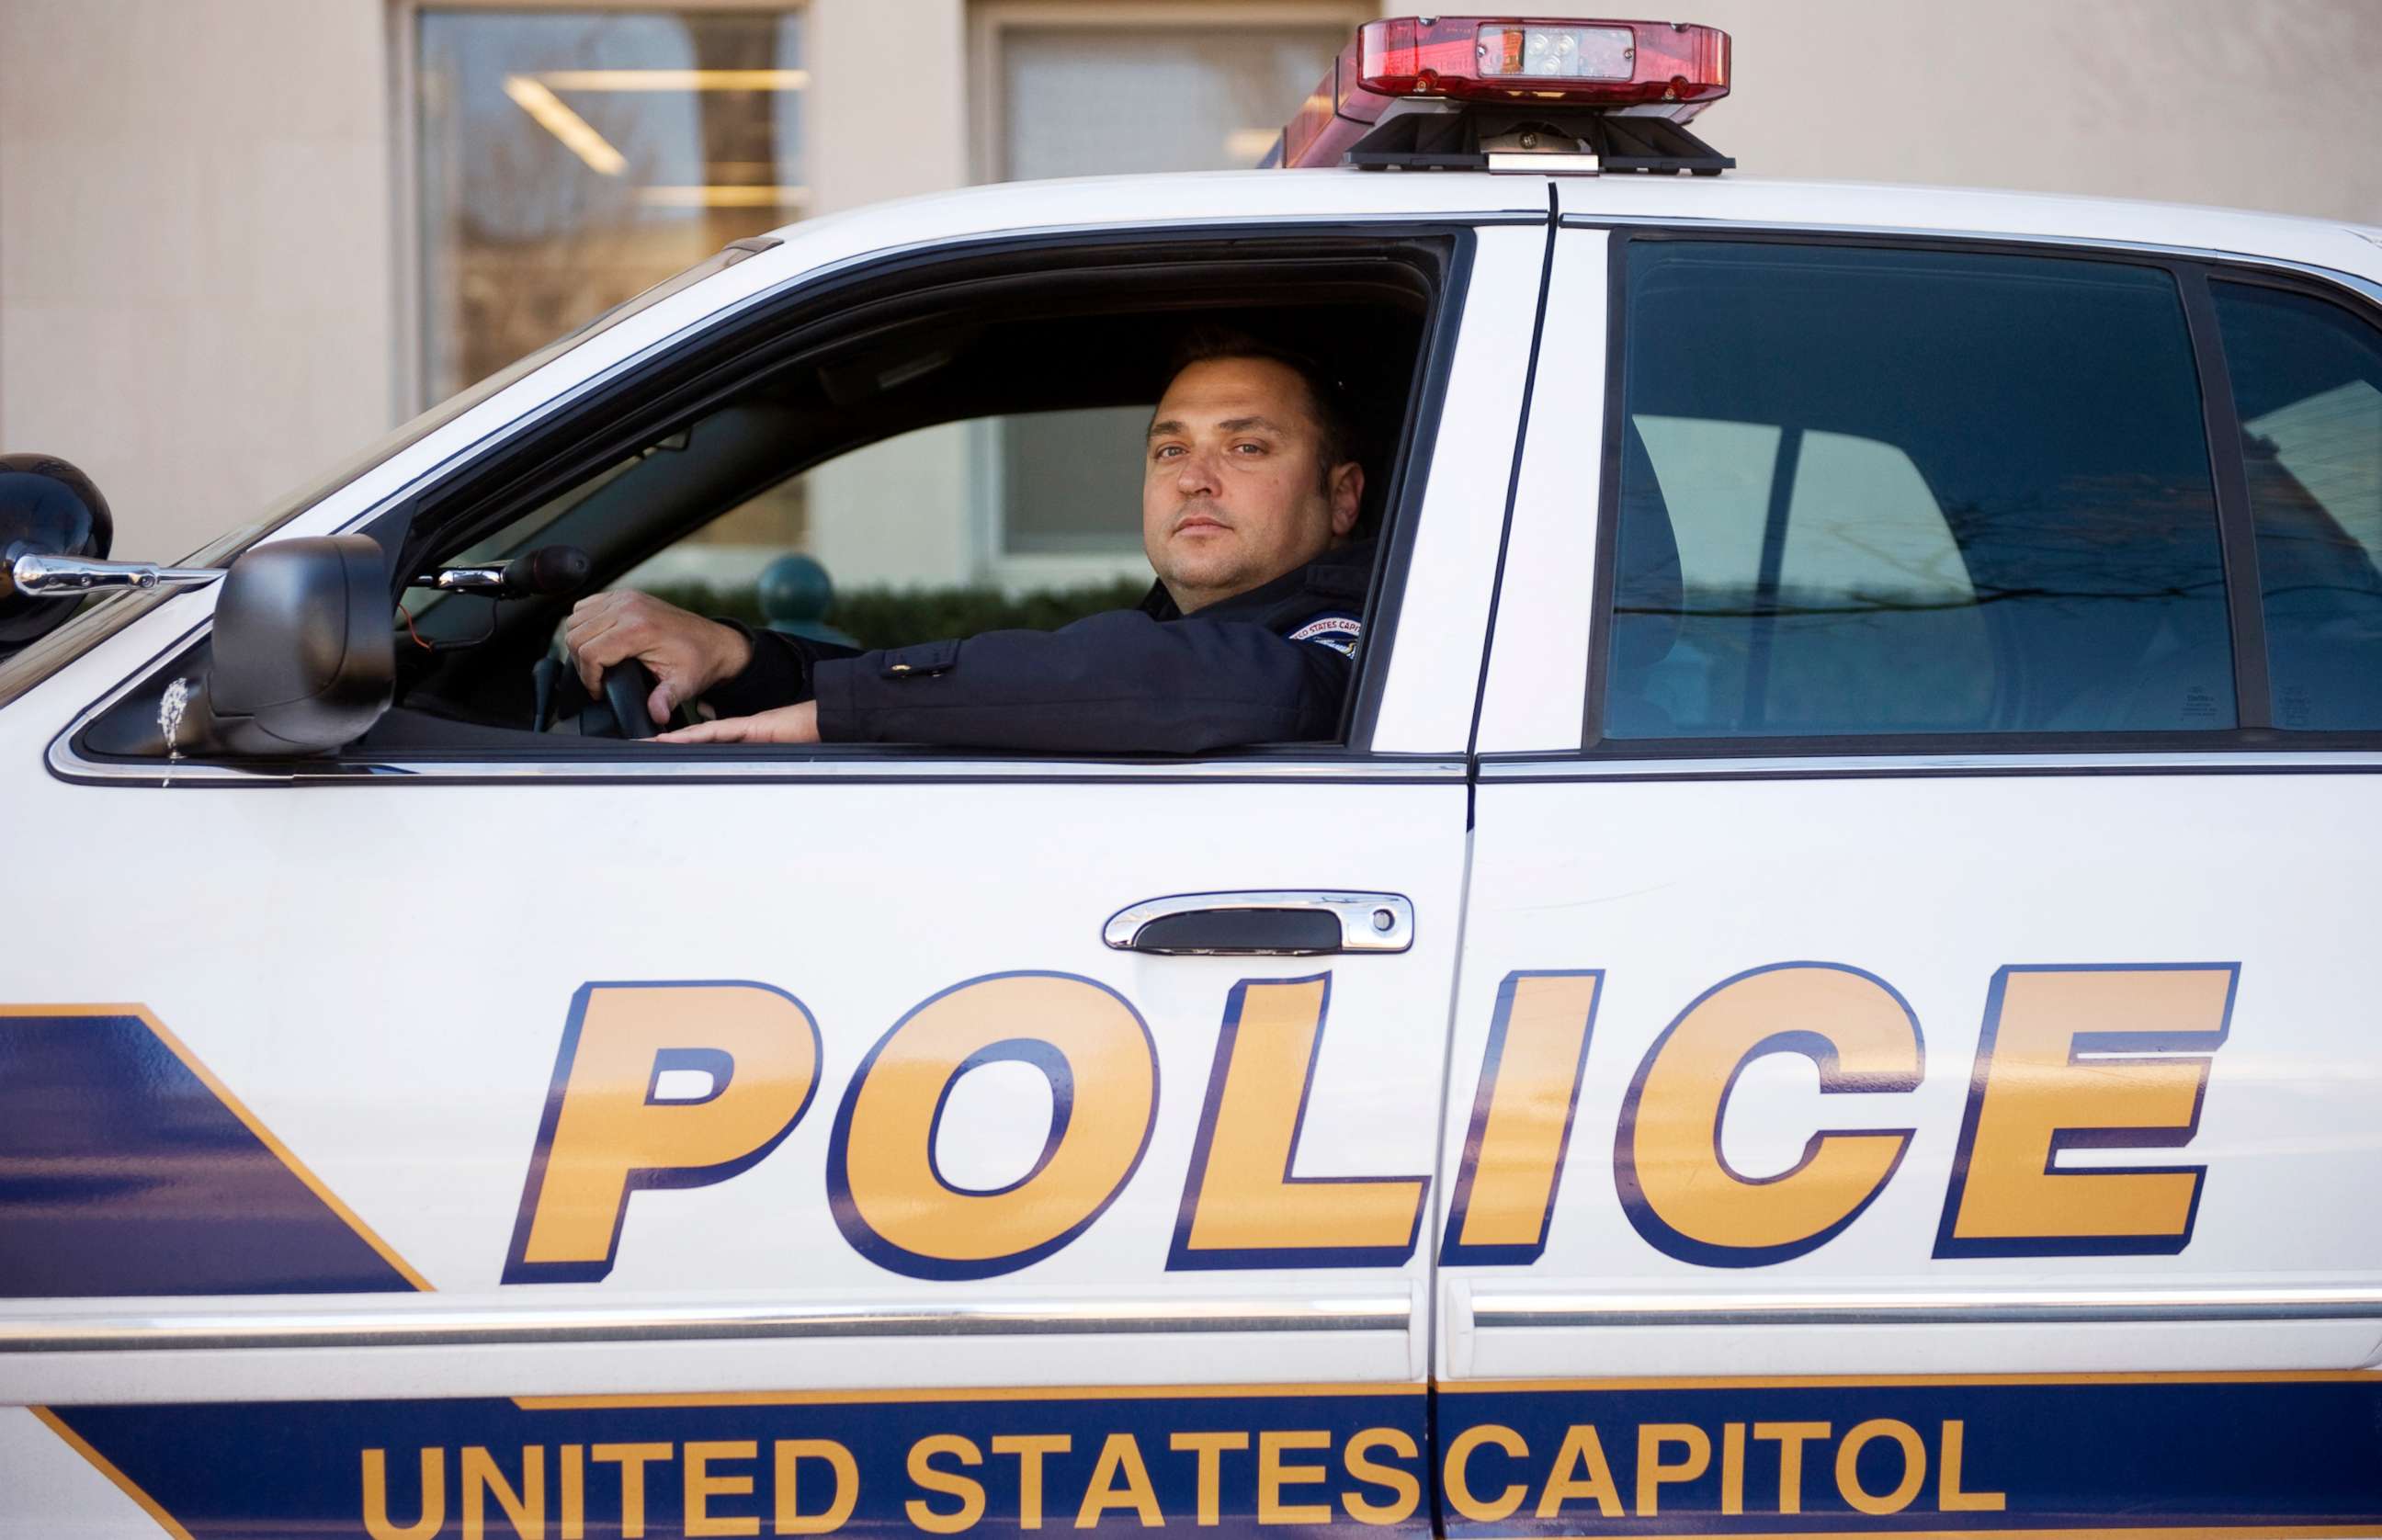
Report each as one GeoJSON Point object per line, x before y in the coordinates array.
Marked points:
{"type": "Point", "coordinates": [1513, 475]}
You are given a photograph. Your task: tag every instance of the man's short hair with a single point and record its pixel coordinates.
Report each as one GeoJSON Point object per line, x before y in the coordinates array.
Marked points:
{"type": "Point", "coordinates": [1327, 398]}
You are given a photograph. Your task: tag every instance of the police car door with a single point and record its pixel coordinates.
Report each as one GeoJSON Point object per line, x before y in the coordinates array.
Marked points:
{"type": "Point", "coordinates": [457, 1144]}
{"type": "Point", "coordinates": [1907, 1074]}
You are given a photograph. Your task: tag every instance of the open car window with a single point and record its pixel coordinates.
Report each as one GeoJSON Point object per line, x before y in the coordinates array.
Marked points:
{"type": "Point", "coordinates": [949, 468]}
{"type": "Point", "coordinates": [909, 456]}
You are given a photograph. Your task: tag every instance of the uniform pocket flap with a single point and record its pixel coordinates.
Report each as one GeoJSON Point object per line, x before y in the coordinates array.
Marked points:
{"type": "Point", "coordinates": [929, 658]}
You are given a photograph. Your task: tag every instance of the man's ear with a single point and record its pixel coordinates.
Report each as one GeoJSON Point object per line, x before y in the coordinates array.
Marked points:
{"type": "Point", "coordinates": [1347, 493]}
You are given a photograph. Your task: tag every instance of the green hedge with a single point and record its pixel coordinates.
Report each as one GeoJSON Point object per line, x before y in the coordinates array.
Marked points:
{"type": "Point", "coordinates": [887, 617]}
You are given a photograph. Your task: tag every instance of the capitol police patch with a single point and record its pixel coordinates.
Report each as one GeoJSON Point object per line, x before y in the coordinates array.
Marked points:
{"type": "Point", "coordinates": [1338, 632]}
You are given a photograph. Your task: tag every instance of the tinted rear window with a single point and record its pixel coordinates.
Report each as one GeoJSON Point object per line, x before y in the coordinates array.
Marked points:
{"type": "Point", "coordinates": [2308, 383]}
{"type": "Point", "coordinates": [1869, 492]}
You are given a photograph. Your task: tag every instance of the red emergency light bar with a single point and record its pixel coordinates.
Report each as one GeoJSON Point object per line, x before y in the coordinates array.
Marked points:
{"type": "Point", "coordinates": [1639, 68]}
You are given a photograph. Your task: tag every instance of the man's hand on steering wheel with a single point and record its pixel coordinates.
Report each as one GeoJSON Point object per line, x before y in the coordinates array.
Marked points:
{"type": "Point", "coordinates": [687, 654]}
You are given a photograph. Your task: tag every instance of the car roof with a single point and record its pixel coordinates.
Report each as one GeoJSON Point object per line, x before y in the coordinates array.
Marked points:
{"type": "Point", "coordinates": [2336, 244]}
{"type": "Point", "coordinates": [1203, 196]}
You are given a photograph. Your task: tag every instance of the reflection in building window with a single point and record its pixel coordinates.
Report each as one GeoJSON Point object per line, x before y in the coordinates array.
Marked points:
{"type": "Point", "coordinates": [571, 159]}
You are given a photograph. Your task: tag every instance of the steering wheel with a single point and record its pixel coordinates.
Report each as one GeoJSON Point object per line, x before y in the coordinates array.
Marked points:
{"type": "Point", "coordinates": [617, 709]}
{"type": "Point", "coordinates": [628, 685]}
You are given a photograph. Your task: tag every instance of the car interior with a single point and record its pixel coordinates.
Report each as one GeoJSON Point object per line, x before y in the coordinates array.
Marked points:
{"type": "Point", "coordinates": [664, 450]}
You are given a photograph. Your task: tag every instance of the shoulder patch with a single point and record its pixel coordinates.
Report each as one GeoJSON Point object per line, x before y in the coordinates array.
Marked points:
{"type": "Point", "coordinates": [1339, 633]}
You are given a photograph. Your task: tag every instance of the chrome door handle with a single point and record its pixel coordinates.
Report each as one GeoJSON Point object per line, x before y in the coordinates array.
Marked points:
{"type": "Point", "coordinates": [1277, 924]}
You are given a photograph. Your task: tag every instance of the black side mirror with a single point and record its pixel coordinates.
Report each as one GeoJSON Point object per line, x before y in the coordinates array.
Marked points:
{"type": "Point", "coordinates": [304, 655]}
{"type": "Point", "coordinates": [47, 508]}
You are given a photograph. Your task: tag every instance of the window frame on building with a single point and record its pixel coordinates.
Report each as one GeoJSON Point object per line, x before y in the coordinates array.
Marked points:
{"type": "Point", "coordinates": [990, 22]}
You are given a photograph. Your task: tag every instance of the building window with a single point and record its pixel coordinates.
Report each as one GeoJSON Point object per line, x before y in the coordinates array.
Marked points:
{"type": "Point", "coordinates": [1203, 88]}
{"type": "Point", "coordinates": [569, 159]}
{"type": "Point", "coordinates": [1205, 99]}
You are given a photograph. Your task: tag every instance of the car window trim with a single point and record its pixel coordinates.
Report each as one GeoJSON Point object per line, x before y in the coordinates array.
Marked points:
{"type": "Point", "coordinates": [2067, 760]}
{"type": "Point", "coordinates": [2235, 525]}
{"type": "Point", "coordinates": [726, 764]}
{"type": "Point", "coordinates": [2236, 529]}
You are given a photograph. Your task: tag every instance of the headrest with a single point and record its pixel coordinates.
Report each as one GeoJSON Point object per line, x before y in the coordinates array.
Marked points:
{"type": "Point", "coordinates": [1646, 587]}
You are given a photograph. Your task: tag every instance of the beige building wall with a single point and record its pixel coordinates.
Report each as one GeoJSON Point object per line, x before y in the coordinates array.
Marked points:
{"type": "Point", "coordinates": [197, 265]}
{"type": "Point", "coordinates": [204, 288]}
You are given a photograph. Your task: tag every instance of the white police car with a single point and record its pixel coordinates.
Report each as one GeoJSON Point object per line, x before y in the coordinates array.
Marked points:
{"type": "Point", "coordinates": [1833, 988]}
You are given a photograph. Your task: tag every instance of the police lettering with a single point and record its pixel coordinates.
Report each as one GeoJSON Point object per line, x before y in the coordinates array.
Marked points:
{"type": "Point", "coordinates": [2067, 1057]}
{"type": "Point", "coordinates": [948, 1484]}
{"type": "Point", "coordinates": [1492, 1474]}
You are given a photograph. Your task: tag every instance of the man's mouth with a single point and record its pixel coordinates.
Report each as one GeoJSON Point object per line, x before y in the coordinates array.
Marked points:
{"type": "Point", "coordinates": [1195, 520]}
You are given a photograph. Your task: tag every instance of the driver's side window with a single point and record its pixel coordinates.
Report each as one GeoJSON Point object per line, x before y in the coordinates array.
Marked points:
{"type": "Point", "coordinates": [919, 470]}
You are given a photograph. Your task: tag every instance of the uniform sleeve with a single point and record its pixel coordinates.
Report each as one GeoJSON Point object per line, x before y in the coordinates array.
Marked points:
{"type": "Point", "coordinates": [780, 674]}
{"type": "Point", "coordinates": [1120, 682]}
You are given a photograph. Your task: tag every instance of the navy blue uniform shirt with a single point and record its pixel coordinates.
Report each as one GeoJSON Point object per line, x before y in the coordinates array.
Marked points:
{"type": "Point", "coordinates": [1271, 666]}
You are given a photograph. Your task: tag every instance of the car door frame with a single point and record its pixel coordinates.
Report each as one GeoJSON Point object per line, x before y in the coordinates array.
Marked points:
{"type": "Point", "coordinates": [1415, 724]}
{"type": "Point", "coordinates": [1537, 733]}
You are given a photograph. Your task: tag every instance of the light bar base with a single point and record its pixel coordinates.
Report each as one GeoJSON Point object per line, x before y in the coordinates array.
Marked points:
{"type": "Point", "coordinates": [1477, 141]}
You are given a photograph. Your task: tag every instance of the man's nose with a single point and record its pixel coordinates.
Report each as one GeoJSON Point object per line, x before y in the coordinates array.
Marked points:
{"type": "Point", "coordinates": [1195, 473]}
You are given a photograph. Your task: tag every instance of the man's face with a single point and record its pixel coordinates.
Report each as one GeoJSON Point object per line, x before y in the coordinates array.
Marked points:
{"type": "Point", "coordinates": [1233, 493]}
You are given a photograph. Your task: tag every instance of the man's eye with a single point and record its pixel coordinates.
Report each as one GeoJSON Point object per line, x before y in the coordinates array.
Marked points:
{"type": "Point", "coordinates": [1248, 449]}
{"type": "Point", "coordinates": [1166, 451]}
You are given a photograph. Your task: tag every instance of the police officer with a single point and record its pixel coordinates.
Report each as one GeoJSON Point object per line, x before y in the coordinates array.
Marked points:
{"type": "Point", "coordinates": [1250, 492]}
